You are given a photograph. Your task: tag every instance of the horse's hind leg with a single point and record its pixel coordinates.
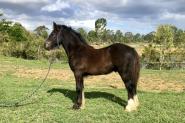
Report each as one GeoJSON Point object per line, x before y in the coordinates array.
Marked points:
{"type": "Point", "coordinates": [131, 87]}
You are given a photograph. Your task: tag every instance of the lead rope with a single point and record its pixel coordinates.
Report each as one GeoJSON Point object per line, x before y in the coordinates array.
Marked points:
{"type": "Point", "coordinates": [18, 102]}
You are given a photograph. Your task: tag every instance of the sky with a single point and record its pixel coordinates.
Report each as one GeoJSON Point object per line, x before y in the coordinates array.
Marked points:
{"type": "Point", "coordinates": [137, 16]}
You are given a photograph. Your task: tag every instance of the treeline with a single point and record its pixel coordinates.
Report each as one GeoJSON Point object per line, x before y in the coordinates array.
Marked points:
{"type": "Point", "coordinates": [16, 41]}
{"type": "Point", "coordinates": [103, 35]}
{"type": "Point", "coordinates": [164, 48]}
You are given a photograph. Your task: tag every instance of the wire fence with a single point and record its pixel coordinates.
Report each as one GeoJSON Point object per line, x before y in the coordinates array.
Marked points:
{"type": "Point", "coordinates": [163, 65]}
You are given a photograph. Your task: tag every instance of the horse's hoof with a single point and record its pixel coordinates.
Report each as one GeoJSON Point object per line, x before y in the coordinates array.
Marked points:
{"type": "Point", "coordinates": [130, 109]}
{"type": "Point", "coordinates": [76, 107]}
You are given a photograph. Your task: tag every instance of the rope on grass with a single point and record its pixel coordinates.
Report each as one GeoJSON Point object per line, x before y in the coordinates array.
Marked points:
{"type": "Point", "coordinates": [23, 99]}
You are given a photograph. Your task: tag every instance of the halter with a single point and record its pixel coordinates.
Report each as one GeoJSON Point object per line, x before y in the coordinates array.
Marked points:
{"type": "Point", "coordinates": [58, 41]}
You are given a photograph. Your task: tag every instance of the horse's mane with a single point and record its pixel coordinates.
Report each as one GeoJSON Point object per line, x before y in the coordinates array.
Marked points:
{"type": "Point", "coordinates": [75, 33]}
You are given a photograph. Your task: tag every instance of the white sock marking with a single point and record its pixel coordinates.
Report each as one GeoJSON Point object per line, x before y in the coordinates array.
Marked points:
{"type": "Point", "coordinates": [136, 100]}
{"type": "Point", "coordinates": [83, 100]}
{"type": "Point", "coordinates": [131, 105]}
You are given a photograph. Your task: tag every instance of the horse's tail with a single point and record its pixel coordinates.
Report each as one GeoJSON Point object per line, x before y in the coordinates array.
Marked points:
{"type": "Point", "coordinates": [135, 68]}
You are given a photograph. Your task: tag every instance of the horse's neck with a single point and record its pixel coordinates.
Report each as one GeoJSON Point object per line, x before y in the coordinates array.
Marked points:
{"type": "Point", "coordinates": [72, 46]}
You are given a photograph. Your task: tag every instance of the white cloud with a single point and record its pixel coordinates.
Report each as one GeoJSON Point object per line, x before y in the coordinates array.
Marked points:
{"type": "Point", "coordinates": [120, 14]}
{"type": "Point", "coordinates": [176, 16]}
{"type": "Point", "coordinates": [88, 24]}
{"type": "Point", "coordinates": [24, 1]}
{"type": "Point", "coordinates": [111, 3]}
{"type": "Point", "coordinates": [57, 6]}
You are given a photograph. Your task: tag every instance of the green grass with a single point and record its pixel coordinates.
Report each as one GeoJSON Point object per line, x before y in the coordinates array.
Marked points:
{"type": "Point", "coordinates": [17, 62]}
{"type": "Point", "coordinates": [54, 100]}
{"type": "Point", "coordinates": [167, 75]}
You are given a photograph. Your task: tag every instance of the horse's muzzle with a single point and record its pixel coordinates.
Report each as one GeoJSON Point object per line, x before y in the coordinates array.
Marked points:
{"type": "Point", "coordinates": [47, 45]}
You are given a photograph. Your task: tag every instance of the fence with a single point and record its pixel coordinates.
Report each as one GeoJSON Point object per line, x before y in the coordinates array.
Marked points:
{"type": "Point", "coordinates": [163, 65]}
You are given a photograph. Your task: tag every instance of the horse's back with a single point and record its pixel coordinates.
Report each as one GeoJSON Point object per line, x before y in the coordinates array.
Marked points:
{"type": "Point", "coordinates": [122, 50]}
{"type": "Point", "coordinates": [122, 55]}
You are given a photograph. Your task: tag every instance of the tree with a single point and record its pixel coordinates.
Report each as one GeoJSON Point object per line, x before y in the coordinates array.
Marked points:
{"type": "Point", "coordinates": [129, 36]}
{"type": "Point", "coordinates": [5, 25]}
{"type": "Point", "coordinates": [149, 37]}
{"type": "Point", "coordinates": [107, 36]}
{"type": "Point", "coordinates": [100, 25]}
{"type": "Point", "coordinates": [164, 37]}
{"type": "Point", "coordinates": [179, 38]}
{"type": "Point", "coordinates": [138, 37]}
{"type": "Point", "coordinates": [92, 36]}
{"type": "Point", "coordinates": [118, 36]}
{"type": "Point", "coordinates": [42, 31]}
{"type": "Point", "coordinates": [18, 33]}
{"type": "Point", "coordinates": [82, 32]}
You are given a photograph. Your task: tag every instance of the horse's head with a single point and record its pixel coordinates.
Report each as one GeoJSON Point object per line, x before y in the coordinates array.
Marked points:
{"type": "Point", "coordinates": [64, 35]}
{"type": "Point", "coordinates": [54, 39]}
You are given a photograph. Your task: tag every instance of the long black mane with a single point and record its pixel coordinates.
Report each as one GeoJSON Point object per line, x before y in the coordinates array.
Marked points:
{"type": "Point", "coordinates": [75, 33]}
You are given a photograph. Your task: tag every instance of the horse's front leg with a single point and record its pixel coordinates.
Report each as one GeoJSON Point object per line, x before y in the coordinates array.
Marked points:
{"type": "Point", "coordinates": [80, 100]}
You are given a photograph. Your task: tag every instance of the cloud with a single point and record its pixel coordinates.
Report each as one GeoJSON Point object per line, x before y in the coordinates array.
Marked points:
{"type": "Point", "coordinates": [30, 8]}
{"type": "Point", "coordinates": [90, 24]}
{"type": "Point", "coordinates": [57, 6]}
{"type": "Point", "coordinates": [24, 1]}
{"type": "Point", "coordinates": [127, 15]}
{"type": "Point", "coordinates": [175, 16]}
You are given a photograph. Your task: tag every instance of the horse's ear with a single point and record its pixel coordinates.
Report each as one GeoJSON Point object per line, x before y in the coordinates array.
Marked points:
{"type": "Point", "coordinates": [54, 25]}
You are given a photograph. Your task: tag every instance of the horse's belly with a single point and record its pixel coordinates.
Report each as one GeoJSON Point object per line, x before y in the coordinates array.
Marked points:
{"type": "Point", "coordinates": [99, 70]}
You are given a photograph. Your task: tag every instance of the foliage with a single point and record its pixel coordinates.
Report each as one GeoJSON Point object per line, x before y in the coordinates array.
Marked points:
{"type": "Point", "coordinates": [165, 52]}
{"type": "Point", "coordinates": [164, 36]}
{"type": "Point", "coordinates": [5, 25]}
{"type": "Point", "coordinates": [18, 33]}
{"type": "Point", "coordinates": [166, 44]}
{"type": "Point", "coordinates": [150, 56]}
{"type": "Point", "coordinates": [107, 36]}
{"type": "Point", "coordinates": [92, 36]}
{"type": "Point", "coordinates": [100, 25]}
{"type": "Point", "coordinates": [27, 50]}
{"type": "Point", "coordinates": [179, 38]}
{"type": "Point", "coordinates": [129, 37]}
{"type": "Point", "coordinates": [149, 37]}
{"type": "Point", "coordinates": [41, 31]}
{"type": "Point", "coordinates": [82, 32]}
{"type": "Point", "coordinates": [16, 41]}
{"type": "Point", "coordinates": [118, 37]}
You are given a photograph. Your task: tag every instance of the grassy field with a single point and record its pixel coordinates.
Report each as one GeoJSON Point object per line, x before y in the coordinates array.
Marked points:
{"type": "Point", "coordinates": [161, 95]}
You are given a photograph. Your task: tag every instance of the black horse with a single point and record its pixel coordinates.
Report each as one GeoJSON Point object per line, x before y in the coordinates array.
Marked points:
{"type": "Point", "coordinates": [84, 60]}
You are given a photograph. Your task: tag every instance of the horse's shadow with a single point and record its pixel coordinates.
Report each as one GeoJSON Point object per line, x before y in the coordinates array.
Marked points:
{"type": "Point", "coordinates": [89, 95]}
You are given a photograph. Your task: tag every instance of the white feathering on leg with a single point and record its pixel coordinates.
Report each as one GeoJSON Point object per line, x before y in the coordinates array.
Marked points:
{"type": "Point", "coordinates": [136, 100]}
{"type": "Point", "coordinates": [131, 105]}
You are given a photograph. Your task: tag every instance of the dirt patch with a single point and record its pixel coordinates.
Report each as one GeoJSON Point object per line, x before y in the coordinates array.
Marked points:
{"type": "Point", "coordinates": [146, 83]}
{"type": "Point", "coordinates": [160, 85]}
{"type": "Point", "coordinates": [40, 73]}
